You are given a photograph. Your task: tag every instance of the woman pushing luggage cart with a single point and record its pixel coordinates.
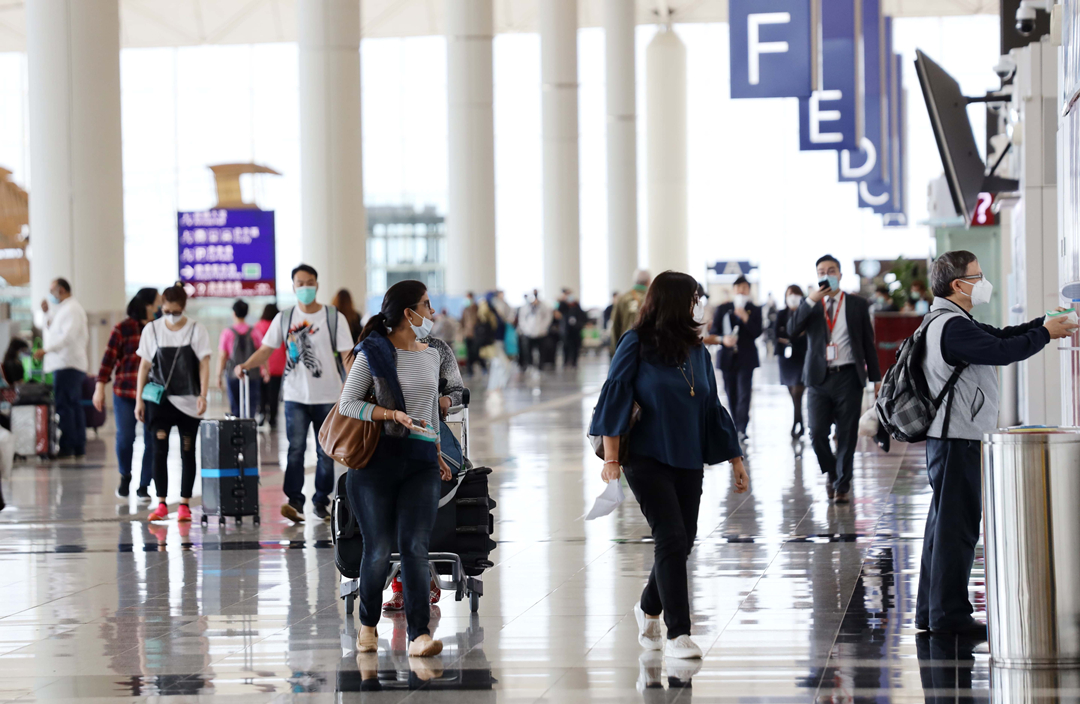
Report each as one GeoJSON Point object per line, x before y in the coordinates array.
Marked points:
{"type": "Point", "coordinates": [394, 495]}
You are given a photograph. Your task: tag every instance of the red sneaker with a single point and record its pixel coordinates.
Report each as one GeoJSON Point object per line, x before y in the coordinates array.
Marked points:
{"type": "Point", "coordinates": [160, 513]}
{"type": "Point", "coordinates": [183, 513]}
{"type": "Point", "coordinates": [435, 594]}
{"type": "Point", "coordinates": [396, 603]}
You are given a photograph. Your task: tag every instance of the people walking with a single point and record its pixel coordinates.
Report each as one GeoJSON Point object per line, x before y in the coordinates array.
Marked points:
{"type": "Point", "coordinates": [121, 355]}
{"type": "Point", "coordinates": [956, 342]}
{"type": "Point", "coordinates": [343, 301]}
{"type": "Point", "coordinates": [739, 324]}
{"type": "Point", "coordinates": [662, 365]}
{"type": "Point", "coordinates": [627, 306]}
{"type": "Point", "coordinates": [395, 498]}
{"type": "Point", "coordinates": [840, 357]}
{"type": "Point", "coordinates": [791, 355]}
{"type": "Point", "coordinates": [63, 352]}
{"type": "Point", "coordinates": [274, 370]}
{"type": "Point", "coordinates": [174, 376]}
{"type": "Point", "coordinates": [572, 319]}
{"type": "Point", "coordinates": [470, 318]}
{"type": "Point", "coordinates": [238, 342]}
{"type": "Point", "coordinates": [315, 337]}
{"type": "Point", "coordinates": [534, 326]}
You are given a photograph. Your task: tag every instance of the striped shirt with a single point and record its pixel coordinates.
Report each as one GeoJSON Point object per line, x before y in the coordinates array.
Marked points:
{"type": "Point", "coordinates": [418, 374]}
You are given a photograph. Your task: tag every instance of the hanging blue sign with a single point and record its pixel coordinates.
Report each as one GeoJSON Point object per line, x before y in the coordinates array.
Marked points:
{"type": "Point", "coordinates": [770, 48]}
{"type": "Point", "coordinates": [867, 162]}
{"type": "Point", "coordinates": [733, 268]}
{"type": "Point", "coordinates": [896, 215]}
{"type": "Point", "coordinates": [226, 253]}
{"type": "Point", "coordinates": [827, 119]}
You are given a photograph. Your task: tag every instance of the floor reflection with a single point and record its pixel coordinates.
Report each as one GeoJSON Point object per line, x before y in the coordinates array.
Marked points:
{"type": "Point", "coordinates": [793, 599]}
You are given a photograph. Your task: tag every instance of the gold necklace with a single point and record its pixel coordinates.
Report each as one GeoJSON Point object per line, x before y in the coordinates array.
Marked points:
{"type": "Point", "coordinates": [690, 381]}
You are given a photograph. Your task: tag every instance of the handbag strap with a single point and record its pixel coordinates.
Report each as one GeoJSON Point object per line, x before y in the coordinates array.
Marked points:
{"type": "Point", "coordinates": [176, 356]}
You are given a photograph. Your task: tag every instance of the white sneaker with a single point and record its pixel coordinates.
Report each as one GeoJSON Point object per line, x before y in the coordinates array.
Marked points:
{"type": "Point", "coordinates": [683, 670]}
{"type": "Point", "coordinates": [649, 634]}
{"type": "Point", "coordinates": [682, 648]}
{"type": "Point", "coordinates": [651, 670]}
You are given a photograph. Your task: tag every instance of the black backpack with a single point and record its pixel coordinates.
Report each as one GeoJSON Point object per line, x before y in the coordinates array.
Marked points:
{"type": "Point", "coordinates": [904, 406]}
{"type": "Point", "coordinates": [243, 348]}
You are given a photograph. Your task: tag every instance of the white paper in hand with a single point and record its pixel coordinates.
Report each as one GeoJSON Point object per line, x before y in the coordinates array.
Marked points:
{"type": "Point", "coordinates": [608, 501]}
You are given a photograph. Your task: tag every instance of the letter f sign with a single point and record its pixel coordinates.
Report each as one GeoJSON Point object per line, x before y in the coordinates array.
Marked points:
{"type": "Point", "coordinates": [755, 47]}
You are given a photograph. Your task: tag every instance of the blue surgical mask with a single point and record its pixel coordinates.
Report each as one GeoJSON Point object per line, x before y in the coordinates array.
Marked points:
{"type": "Point", "coordinates": [306, 294]}
{"type": "Point", "coordinates": [53, 300]}
{"type": "Point", "coordinates": [424, 329]}
{"type": "Point", "coordinates": [834, 282]}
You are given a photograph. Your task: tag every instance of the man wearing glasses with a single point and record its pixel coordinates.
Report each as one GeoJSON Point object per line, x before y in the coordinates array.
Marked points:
{"type": "Point", "coordinates": [956, 343]}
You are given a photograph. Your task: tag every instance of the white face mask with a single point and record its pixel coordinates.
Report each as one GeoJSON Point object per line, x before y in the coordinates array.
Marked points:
{"type": "Point", "coordinates": [173, 318]}
{"type": "Point", "coordinates": [699, 312]}
{"type": "Point", "coordinates": [981, 291]}
{"type": "Point", "coordinates": [794, 300]}
{"type": "Point", "coordinates": [741, 299]}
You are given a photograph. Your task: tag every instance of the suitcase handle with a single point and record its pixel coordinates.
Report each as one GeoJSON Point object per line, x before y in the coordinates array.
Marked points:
{"type": "Point", "coordinates": [245, 394]}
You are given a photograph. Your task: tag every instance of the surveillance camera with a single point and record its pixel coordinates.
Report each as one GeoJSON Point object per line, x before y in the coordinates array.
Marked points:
{"type": "Point", "coordinates": [1025, 20]}
{"type": "Point", "coordinates": [1006, 67]}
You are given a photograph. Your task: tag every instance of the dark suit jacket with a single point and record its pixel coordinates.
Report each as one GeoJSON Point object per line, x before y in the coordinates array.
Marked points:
{"type": "Point", "coordinates": [744, 355]}
{"type": "Point", "coordinates": [810, 318]}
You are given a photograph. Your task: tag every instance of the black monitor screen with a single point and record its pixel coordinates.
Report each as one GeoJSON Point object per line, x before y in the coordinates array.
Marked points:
{"type": "Point", "coordinates": [964, 168]}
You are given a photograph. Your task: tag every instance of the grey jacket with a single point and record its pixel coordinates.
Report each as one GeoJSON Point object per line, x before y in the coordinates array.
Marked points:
{"type": "Point", "coordinates": [973, 408]}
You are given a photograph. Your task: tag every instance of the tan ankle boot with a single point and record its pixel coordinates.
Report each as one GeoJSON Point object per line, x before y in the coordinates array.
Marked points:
{"type": "Point", "coordinates": [367, 641]}
{"type": "Point", "coordinates": [425, 647]}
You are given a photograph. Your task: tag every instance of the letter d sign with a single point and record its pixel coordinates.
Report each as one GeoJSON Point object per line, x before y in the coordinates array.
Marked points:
{"type": "Point", "coordinates": [770, 48]}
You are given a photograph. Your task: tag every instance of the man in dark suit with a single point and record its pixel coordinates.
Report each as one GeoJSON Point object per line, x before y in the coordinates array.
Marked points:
{"type": "Point", "coordinates": [738, 322]}
{"type": "Point", "coordinates": [841, 356]}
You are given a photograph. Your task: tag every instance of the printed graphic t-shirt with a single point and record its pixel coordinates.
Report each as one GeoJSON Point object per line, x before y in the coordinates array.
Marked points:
{"type": "Point", "coordinates": [311, 374]}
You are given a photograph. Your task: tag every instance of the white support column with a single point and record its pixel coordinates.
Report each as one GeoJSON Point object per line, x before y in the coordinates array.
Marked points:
{"type": "Point", "coordinates": [558, 67]}
{"type": "Point", "coordinates": [471, 218]}
{"type": "Point", "coordinates": [334, 230]}
{"type": "Point", "coordinates": [665, 118]}
{"type": "Point", "coordinates": [76, 167]}
{"type": "Point", "coordinates": [619, 26]}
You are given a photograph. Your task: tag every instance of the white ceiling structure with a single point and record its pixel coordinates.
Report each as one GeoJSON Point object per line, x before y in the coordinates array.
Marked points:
{"type": "Point", "coordinates": [156, 23]}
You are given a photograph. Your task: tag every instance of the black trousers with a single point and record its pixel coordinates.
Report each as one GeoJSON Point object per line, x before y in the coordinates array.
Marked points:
{"type": "Point", "coordinates": [836, 402]}
{"type": "Point", "coordinates": [739, 384]}
{"type": "Point", "coordinates": [472, 355]}
{"type": "Point", "coordinates": [571, 348]}
{"type": "Point", "coordinates": [163, 418]}
{"type": "Point", "coordinates": [952, 529]}
{"type": "Point", "coordinates": [669, 498]}
{"type": "Point", "coordinates": [271, 400]}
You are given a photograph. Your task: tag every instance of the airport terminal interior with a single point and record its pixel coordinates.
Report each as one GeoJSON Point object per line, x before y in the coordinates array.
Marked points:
{"type": "Point", "coordinates": [272, 224]}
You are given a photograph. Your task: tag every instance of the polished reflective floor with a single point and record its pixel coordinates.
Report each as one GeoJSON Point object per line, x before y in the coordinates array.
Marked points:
{"type": "Point", "coordinates": [794, 600]}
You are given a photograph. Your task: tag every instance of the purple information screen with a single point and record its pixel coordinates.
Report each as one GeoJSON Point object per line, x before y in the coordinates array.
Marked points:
{"type": "Point", "coordinates": [226, 253]}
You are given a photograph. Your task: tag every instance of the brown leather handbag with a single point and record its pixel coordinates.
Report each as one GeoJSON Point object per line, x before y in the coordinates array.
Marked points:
{"type": "Point", "coordinates": [348, 440]}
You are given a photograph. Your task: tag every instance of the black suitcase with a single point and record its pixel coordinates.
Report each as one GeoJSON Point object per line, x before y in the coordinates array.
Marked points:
{"type": "Point", "coordinates": [230, 465]}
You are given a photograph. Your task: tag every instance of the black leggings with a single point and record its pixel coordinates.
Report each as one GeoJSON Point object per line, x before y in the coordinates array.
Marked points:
{"type": "Point", "coordinates": [796, 399]}
{"type": "Point", "coordinates": [163, 418]}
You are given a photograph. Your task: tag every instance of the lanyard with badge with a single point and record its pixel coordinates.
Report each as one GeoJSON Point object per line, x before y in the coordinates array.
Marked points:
{"type": "Point", "coordinates": [832, 351]}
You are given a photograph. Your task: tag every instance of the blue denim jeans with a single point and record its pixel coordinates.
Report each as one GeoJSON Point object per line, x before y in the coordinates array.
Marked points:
{"type": "Point", "coordinates": [126, 423]}
{"type": "Point", "coordinates": [67, 392]}
{"type": "Point", "coordinates": [298, 417]}
{"type": "Point", "coordinates": [395, 499]}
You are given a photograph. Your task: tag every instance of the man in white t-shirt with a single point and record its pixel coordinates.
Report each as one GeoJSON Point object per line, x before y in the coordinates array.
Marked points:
{"type": "Point", "coordinates": [317, 340]}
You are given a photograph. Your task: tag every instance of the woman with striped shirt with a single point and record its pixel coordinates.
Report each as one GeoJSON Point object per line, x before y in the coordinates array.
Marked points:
{"type": "Point", "coordinates": [397, 495]}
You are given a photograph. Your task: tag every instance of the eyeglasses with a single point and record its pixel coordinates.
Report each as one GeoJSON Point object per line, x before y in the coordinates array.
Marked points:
{"type": "Point", "coordinates": [977, 277]}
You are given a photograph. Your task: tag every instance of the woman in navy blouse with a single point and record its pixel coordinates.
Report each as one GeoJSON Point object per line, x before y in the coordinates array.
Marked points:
{"type": "Point", "coordinates": [662, 365]}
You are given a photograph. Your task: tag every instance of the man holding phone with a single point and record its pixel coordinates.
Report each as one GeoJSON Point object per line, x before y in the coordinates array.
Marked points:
{"type": "Point", "coordinates": [840, 357]}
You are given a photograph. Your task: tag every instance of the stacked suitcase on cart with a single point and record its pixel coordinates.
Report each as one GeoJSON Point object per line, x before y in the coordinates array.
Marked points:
{"type": "Point", "coordinates": [34, 423]}
{"type": "Point", "coordinates": [230, 465]}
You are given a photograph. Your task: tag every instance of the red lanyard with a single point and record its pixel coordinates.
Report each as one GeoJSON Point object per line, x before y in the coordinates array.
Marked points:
{"type": "Point", "coordinates": [836, 315]}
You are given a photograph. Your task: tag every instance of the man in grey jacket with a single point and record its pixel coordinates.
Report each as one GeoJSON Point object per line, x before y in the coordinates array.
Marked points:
{"type": "Point", "coordinates": [953, 457]}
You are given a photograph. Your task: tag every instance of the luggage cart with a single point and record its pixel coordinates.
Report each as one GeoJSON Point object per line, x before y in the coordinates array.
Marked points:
{"type": "Point", "coordinates": [453, 577]}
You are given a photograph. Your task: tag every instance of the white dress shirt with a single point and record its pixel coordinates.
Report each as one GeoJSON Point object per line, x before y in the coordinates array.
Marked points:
{"type": "Point", "coordinates": [65, 337]}
{"type": "Point", "coordinates": [839, 335]}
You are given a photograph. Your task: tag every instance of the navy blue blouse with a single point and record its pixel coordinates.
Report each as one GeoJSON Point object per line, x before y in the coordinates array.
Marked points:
{"type": "Point", "coordinates": [674, 427]}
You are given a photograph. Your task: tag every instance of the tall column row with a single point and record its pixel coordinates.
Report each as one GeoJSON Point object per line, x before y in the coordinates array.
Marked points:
{"type": "Point", "coordinates": [334, 230]}
{"type": "Point", "coordinates": [619, 27]}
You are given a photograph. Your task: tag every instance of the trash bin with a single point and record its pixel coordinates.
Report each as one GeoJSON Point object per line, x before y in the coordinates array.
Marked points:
{"type": "Point", "coordinates": [1031, 504]}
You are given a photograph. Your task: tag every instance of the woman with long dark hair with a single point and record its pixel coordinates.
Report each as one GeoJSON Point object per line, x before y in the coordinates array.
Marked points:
{"type": "Point", "coordinates": [663, 367]}
{"type": "Point", "coordinates": [395, 498]}
{"type": "Point", "coordinates": [120, 355]}
{"type": "Point", "coordinates": [792, 354]}
{"type": "Point", "coordinates": [343, 301]}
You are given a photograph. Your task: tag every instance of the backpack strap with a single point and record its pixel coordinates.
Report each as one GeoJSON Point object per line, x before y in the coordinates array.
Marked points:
{"type": "Point", "coordinates": [332, 328]}
{"type": "Point", "coordinates": [286, 319]}
{"type": "Point", "coordinates": [950, 385]}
